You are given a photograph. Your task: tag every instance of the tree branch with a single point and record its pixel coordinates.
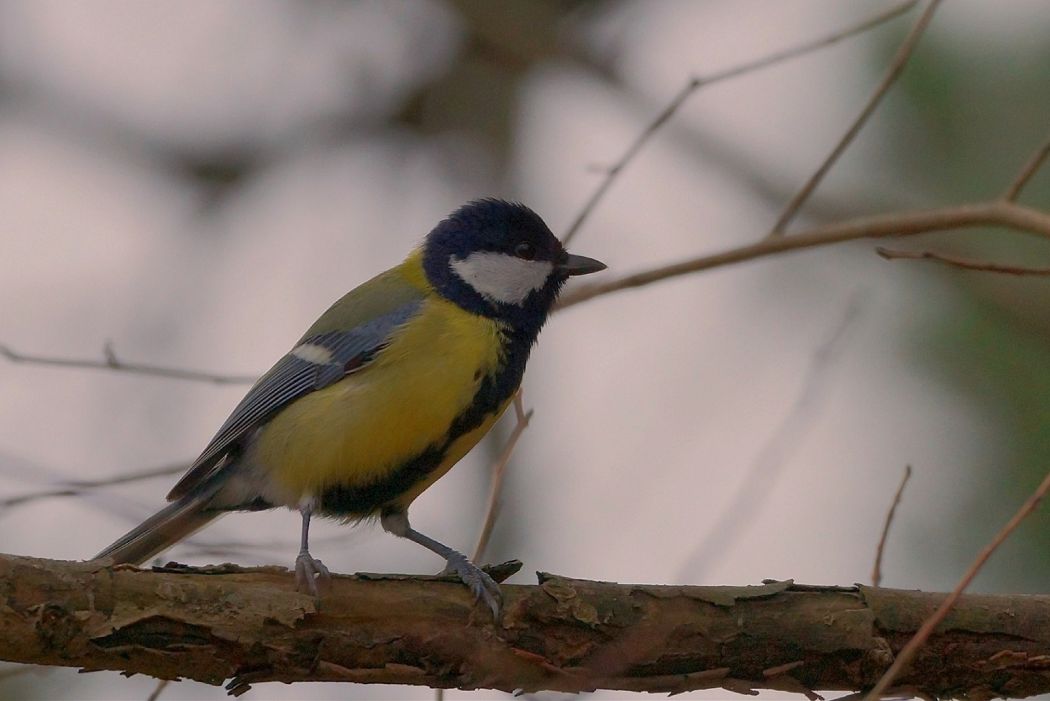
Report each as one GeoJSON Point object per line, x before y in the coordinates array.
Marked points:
{"type": "Point", "coordinates": [968, 216]}
{"type": "Point", "coordinates": [940, 617]}
{"type": "Point", "coordinates": [964, 263]}
{"type": "Point", "coordinates": [876, 570]}
{"type": "Point", "coordinates": [498, 472]}
{"type": "Point", "coordinates": [697, 82]}
{"type": "Point", "coordinates": [111, 362]}
{"type": "Point", "coordinates": [75, 488]}
{"type": "Point", "coordinates": [1028, 171]}
{"type": "Point", "coordinates": [892, 73]}
{"type": "Point", "coordinates": [250, 626]}
{"type": "Point", "coordinates": [739, 510]}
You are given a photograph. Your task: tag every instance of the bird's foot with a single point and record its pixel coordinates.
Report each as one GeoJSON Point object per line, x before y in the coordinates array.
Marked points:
{"type": "Point", "coordinates": [308, 570]}
{"type": "Point", "coordinates": [480, 584]}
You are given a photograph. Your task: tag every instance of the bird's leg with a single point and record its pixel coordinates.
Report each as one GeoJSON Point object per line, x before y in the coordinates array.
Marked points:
{"type": "Point", "coordinates": [308, 569]}
{"type": "Point", "coordinates": [481, 585]}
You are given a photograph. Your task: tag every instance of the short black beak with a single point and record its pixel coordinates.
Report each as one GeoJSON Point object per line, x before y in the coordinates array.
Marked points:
{"type": "Point", "coordinates": [580, 265]}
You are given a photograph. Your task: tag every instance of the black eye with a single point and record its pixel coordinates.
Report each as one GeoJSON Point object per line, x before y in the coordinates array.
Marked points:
{"type": "Point", "coordinates": [525, 250]}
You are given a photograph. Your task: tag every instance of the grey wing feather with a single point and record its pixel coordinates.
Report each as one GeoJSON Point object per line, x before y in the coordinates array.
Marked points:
{"type": "Point", "coordinates": [292, 377]}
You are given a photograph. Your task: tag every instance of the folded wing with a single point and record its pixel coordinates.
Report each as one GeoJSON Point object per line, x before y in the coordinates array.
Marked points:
{"type": "Point", "coordinates": [315, 363]}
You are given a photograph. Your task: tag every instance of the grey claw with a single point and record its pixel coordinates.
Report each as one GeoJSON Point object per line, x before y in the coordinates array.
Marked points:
{"type": "Point", "coordinates": [307, 571]}
{"type": "Point", "coordinates": [480, 584]}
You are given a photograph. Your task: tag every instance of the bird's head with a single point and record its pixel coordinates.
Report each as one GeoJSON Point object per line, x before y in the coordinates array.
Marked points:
{"type": "Point", "coordinates": [500, 260]}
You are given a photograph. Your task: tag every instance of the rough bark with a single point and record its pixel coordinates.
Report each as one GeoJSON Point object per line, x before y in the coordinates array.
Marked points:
{"type": "Point", "coordinates": [249, 626]}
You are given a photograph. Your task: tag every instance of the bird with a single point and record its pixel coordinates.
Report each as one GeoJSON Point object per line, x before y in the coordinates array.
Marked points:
{"type": "Point", "coordinates": [383, 394]}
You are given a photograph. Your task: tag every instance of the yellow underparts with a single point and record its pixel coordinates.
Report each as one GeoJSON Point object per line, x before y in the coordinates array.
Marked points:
{"type": "Point", "coordinates": [364, 427]}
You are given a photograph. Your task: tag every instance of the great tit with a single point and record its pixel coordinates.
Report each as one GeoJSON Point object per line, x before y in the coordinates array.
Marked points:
{"type": "Point", "coordinates": [394, 384]}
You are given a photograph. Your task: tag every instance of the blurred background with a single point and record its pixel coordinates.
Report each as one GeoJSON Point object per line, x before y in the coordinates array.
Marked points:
{"type": "Point", "coordinates": [194, 182]}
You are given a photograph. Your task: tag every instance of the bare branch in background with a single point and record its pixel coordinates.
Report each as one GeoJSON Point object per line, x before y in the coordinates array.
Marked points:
{"type": "Point", "coordinates": [900, 60]}
{"type": "Point", "coordinates": [497, 472]}
{"type": "Point", "coordinates": [23, 499]}
{"type": "Point", "coordinates": [739, 165]}
{"type": "Point", "coordinates": [956, 262]}
{"type": "Point", "coordinates": [78, 487]}
{"type": "Point", "coordinates": [739, 511]}
{"type": "Point", "coordinates": [967, 216]}
{"type": "Point", "coordinates": [697, 82]}
{"type": "Point", "coordinates": [876, 571]}
{"type": "Point", "coordinates": [922, 636]}
{"type": "Point", "coordinates": [112, 363]}
{"type": "Point", "coordinates": [158, 690]}
{"type": "Point", "coordinates": [499, 469]}
{"type": "Point", "coordinates": [1027, 172]}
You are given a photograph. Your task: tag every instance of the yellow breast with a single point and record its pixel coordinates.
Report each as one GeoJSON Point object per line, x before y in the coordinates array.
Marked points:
{"type": "Point", "coordinates": [363, 427]}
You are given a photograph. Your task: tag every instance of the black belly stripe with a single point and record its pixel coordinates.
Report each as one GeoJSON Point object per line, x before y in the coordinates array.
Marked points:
{"type": "Point", "coordinates": [361, 500]}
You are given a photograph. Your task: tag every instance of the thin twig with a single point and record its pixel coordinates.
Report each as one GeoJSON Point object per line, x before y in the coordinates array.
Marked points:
{"type": "Point", "coordinates": [112, 363]}
{"type": "Point", "coordinates": [125, 477]}
{"type": "Point", "coordinates": [981, 214]}
{"type": "Point", "coordinates": [78, 487]}
{"type": "Point", "coordinates": [900, 60]}
{"type": "Point", "coordinates": [1027, 172]}
{"type": "Point", "coordinates": [738, 512]}
{"type": "Point", "coordinates": [876, 571]}
{"type": "Point", "coordinates": [499, 469]}
{"type": "Point", "coordinates": [158, 690]}
{"type": "Point", "coordinates": [965, 263]}
{"type": "Point", "coordinates": [23, 499]}
{"type": "Point", "coordinates": [696, 82]}
{"type": "Point", "coordinates": [907, 653]}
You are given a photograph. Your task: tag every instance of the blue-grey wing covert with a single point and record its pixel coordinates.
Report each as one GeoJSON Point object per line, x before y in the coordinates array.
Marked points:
{"type": "Point", "coordinates": [315, 363]}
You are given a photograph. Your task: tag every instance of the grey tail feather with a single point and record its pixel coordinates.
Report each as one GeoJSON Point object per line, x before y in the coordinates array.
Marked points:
{"type": "Point", "coordinates": [176, 521]}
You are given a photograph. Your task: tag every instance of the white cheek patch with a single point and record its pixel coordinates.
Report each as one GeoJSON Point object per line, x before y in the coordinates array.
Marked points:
{"type": "Point", "coordinates": [499, 277]}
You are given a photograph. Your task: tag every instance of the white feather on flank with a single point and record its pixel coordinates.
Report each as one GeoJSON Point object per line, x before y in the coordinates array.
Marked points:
{"type": "Point", "coordinates": [499, 277]}
{"type": "Point", "coordinates": [311, 353]}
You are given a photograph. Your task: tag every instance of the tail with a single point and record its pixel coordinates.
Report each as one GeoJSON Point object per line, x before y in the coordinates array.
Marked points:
{"type": "Point", "coordinates": [176, 521]}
